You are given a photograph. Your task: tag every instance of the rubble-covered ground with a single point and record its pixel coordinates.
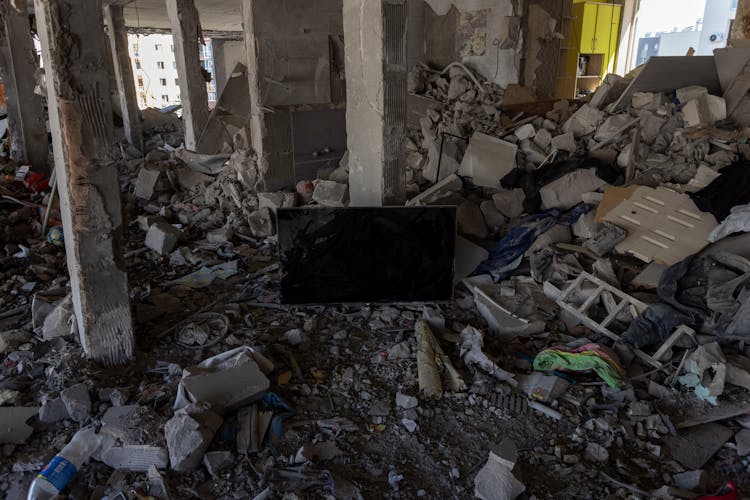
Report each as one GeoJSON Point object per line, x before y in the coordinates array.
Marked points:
{"type": "Point", "coordinates": [351, 410]}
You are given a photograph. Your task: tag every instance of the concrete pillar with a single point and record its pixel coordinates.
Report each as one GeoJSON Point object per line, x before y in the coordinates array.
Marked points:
{"type": "Point", "coordinates": [80, 113]}
{"type": "Point", "coordinates": [28, 128]}
{"type": "Point", "coordinates": [118, 45]}
{"type": "Point", "coordinates": [257, 122]}
{"type": "Point", "coordinates": [220, 70]}
{"type": "Point", "coordinates": [741, 25]}
{"type": "Point", "coordinates": [193, 93]}
{"type": "Point", "coordinates": [375, 48]}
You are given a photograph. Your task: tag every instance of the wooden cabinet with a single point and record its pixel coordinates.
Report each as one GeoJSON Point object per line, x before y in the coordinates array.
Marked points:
{"type": "Point", "coordinates": [590, 49]}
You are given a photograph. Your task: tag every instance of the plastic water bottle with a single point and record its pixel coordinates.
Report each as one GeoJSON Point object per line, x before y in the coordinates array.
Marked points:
{"type": "Point", "coordinates": [61, 469]}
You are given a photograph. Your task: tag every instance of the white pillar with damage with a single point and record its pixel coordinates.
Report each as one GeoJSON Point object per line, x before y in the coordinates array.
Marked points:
{"type": "Point", "coordinates": [27, 126]}
{"type": "Point", "coordinates": [118, 43]}
{"type": "Point", "coordinates": [375, 47]}
{"type": "Point", "coordinates": [257, 122]}
{"type": "Point", "coordinates": [186, 32]}
{"type": "Point", "coordinates": [80, 114]}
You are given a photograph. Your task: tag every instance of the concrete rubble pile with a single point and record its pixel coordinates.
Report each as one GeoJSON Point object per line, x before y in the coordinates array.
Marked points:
{"type": "Point", "coordinates": [595, 346]}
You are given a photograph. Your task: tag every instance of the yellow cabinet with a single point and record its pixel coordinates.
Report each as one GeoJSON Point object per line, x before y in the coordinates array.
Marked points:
{"type": "Point", "coordinates": [591, 46]}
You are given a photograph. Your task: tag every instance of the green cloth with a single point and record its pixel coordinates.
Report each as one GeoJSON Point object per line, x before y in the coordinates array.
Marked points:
{"type": "Point", "coordinates": [551, 359]}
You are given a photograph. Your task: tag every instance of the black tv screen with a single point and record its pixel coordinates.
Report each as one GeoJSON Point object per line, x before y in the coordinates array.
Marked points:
{"type": "Point", "coordinates": [360, 255]}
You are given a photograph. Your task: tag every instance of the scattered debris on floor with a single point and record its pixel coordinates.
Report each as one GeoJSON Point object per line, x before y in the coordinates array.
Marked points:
{"type": "Point", "coordinates": [595, 347]}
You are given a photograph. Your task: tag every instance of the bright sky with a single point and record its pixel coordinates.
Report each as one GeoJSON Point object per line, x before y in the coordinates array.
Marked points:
{"type": "Point", "coordinates": [663, 15]}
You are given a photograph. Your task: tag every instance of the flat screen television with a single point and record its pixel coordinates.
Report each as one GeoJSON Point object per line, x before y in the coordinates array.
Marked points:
{"type": "Point", "coordinates": [363, 255]}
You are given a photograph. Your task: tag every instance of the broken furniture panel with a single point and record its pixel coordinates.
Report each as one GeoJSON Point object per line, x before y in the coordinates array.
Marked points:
{"type": "Point", "coordinates": [665, 74]}
{"type": "Point", "coordinates": [617, 304]}
{"type": "Point", "coordinates": [354, 255]}
{"type": "Point", "coordinates": [662, 225]}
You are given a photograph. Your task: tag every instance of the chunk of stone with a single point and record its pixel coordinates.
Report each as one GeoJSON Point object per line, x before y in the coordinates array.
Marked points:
{"type": "Point", "coordinates": [189, 179]}
{"type": "Point", "coordinates": [691, 480]}
{"type": "Point", "coordinates": [704, 111]}
{"type": "Point", "coordinates": [216, 461]}
{"type": "Point", "coordinates": [162, 237]}
{"type": "Point", "coordinates": [442, 165]}
{"type": "Point", "coordinates": [220, 235]}
{"type": "Point", "coordinates": [77, 402]}
{"type": "Point", "coordinates": [405, 401]}
{"type": "Point", "coordinates": [608, 91]}
{"type": "Point", "coordinates": [596, 453]}
{"type": "Point", "coordinates": [58, 322]}
{"type": "Point", "coordinates": [565, 142]}
{"type": "Point", "coordinates": [566, 192]}
{"type": "Point", "coordinates": [584, 121]}
{"type": "Point", "coordinates": [330, 194]}
{"type": "Point", "coordinates": [437, 192]}
{"type": "Point", "coordinates": [586, 226]}
{"type": "Point", "coordinates": [647, 100]}
{"type": "Point", "coordinates": [687, 94]}
{"type": "Point", "coordinates": [40, 308]}
{"type": "Point", "coordinates": [189, 433]}
{"type": "Point", "coordinates": [471, 221]}
{"type": "Point", "coordinates": [611, 126]}
{"type": "Point", "coordinates": [261, 223]}
{"type": "Point", "coordinates": [525, 132]}
{"type": "Point", "coordinates": [145, 183]}
{"type": "Point", "coordinates": [510, 202]}
{"type": "Point", "coordinates": [487, 160]}
{"type": "Point", "coordinates": [559, 233]}
{"type": "Point", "coordinates": [276, 200]}
{"type": "Point", "coordinates": [743, 442]}
{"type": "Point", "coordinates": [543, 139]}
{"type": "Point", "coordinates": [492, 215]}
{"type": "Point", "coordinates": [53, 410]}
{"type": "Point", "coordinates": [533, 153]}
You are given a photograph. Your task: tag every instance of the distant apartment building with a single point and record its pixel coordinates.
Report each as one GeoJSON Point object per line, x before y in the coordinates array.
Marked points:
{"type": "Point", "coordinates": [709, 33]}
{"type": "Point", "coordinates": [155, 70]}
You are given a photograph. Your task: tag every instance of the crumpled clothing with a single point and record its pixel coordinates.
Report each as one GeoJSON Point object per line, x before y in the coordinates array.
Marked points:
{"type": "Point", "coordinates": [508, 253]}
{"type": "Point", "coordinates": [708, 293]}
{"type": "Point", "coordinates": [583, 356]}
{"type": "Point", "coordinates": [737, 222]}
{"type": "Point", "coordinates": [531, 181]}
{"type": "Point", "coordinates": [730, 189]}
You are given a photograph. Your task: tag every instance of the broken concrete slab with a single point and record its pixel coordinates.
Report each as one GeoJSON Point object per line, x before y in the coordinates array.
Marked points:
{"type": "Point", "coordinates": [53, 410]}
{"type": "Point", "coordinates": [189, 433]}
{"type": "Point", "coordinates": [77, 402]}
{"type": "Point", "coordinates": [704, 111]}
{"type": "Point", "coordinates": [510, 202]}
{"type": "Point", "coordinates": [687, 94]}
{"type": "Point", "coordinates": [543, 139]}
{"type": "Point", "coordinates": [437, 192]}
{"type": "Point", "coordinates": [216, 461]}
{"type": "Point", "coordinates": [204, 163]}
{"type": "Point", "coordinates": [145, 184]}
{"type": "Point", "coordinates": [608, 91]}
{"type": "Point", "coordinates": [13, 426]}
{"type": "Point", "coordinates": [330, 193]}
{"type": "Point", "coordinates": [565, 142]}
{"type": "Point", "coordinates": [261, 223]}
{"type": "Point", "coordinates": [492, 216]}
{"type": "Point", "coordinates": [649, 101]}
{"type": "Point", "coordinates": [584, 121]}
{"type": "Point", "coordinates": [189, 179]}
{"type": "Point", "coordinates": [442, 165]}
{"type": "Point", "coordinates": [566, 192]}
{"type": "Point", "coordinates": [162, 238]}
{"type": "Point", "coordinates": [59, 322]}
{"type": "Point", "coordinates": [226, 381]}
{"type": "Point", "coordinates": [526, 131]}
{"type": "Point", "coordinates": [664, 74]}
{"type": "Point", "coordinates": [487, 160]}
{"type": "Point", "coordinates": [468, 258]}
{"type": "Point", "coordinates": [276, 200]}
{"type": "Point", "coordinates": [471, 221]}
{"type": "Point", "coordinates": [611, 127]}
{"type": "Point", "coordinates": [650, 276]}
{"type": "Point", "coordinates": [695, 447]}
